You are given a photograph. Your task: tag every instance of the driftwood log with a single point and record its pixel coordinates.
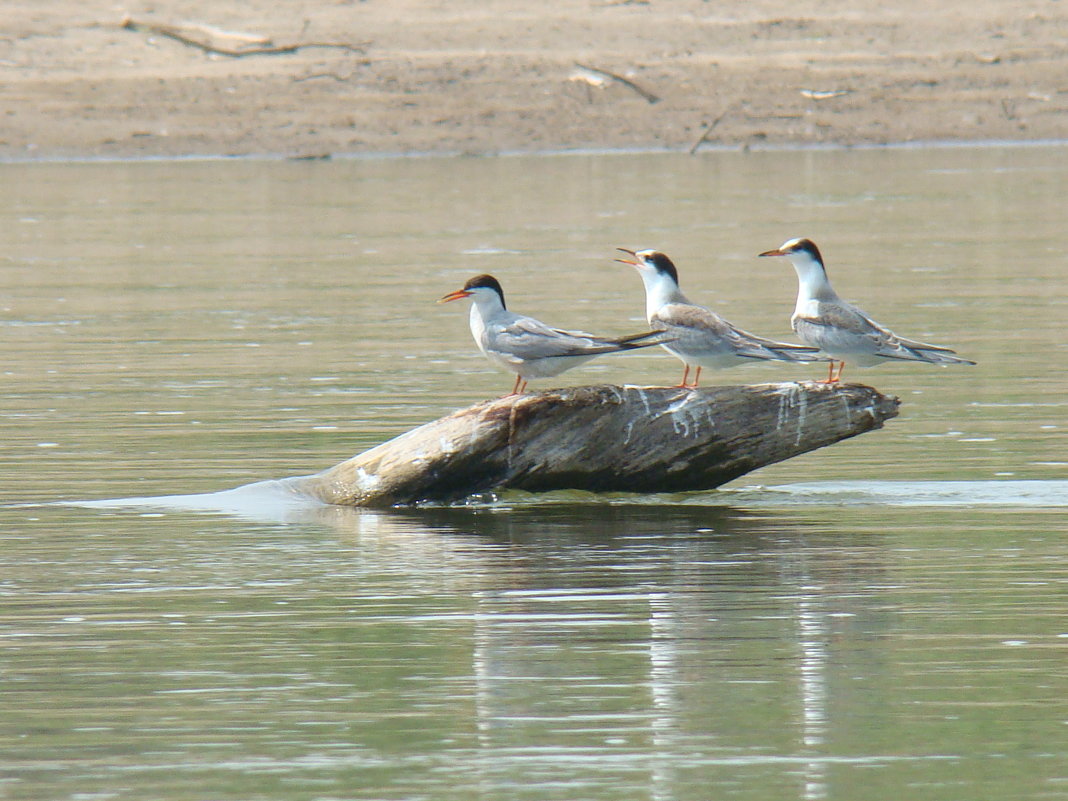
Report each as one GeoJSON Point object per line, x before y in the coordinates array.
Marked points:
{"type": "Point", "coordinates": [603, 438]}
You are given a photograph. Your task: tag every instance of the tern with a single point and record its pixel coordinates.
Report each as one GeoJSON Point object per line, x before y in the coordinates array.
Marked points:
{"type": "Point", "coordinates": [701, 337]}
{"type": "Point", "coordinates": [528, 347]}
{"type": "Point", "coordinates": [838, 328]}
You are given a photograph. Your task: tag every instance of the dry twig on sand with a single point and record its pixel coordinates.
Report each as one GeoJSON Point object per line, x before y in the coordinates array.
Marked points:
{"type": "Point", "coordinates": [594, 76]}
{"type": "Point", "coordinates": [708, 129]}
{"type": "Point", "coordinates": [202, 37]}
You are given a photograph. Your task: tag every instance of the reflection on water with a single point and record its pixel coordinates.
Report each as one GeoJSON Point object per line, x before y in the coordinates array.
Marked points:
{"type": "Point", "coordinates": [582, 650]}
{"type": "Point", "coordinates": [1051, 494]}
{"type": "Point", "coordinates": [279, 502]}
{"type": "Point", "coordinates": [881, 617]}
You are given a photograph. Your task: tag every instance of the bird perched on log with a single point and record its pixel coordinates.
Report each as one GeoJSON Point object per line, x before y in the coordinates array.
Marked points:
{"type": "Point", "coordinates": [701, 337]}
{"type": "Point", "coordinates": [528, 347]}
{"type": "Point", "coordinates": [840, 329]}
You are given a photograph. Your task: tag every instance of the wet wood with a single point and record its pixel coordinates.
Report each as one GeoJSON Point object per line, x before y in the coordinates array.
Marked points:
{"type": "Point", "coordinates": [603, 439]}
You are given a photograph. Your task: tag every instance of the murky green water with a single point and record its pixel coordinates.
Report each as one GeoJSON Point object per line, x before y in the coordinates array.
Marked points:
{"type": "Point", "coordinates": [883, 619]}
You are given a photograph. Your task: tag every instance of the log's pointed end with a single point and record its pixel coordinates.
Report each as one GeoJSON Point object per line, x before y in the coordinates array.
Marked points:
{"type": "Point", "coordinates": [824, 413]}
{"type": "Point", "coordinates": [882, 407]}
{"type": "Point", "coordinates": [862, 400]}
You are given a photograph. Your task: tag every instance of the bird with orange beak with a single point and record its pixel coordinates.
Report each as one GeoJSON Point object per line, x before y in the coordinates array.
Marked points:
{"type": "Point", "coordinates": [528, 347]}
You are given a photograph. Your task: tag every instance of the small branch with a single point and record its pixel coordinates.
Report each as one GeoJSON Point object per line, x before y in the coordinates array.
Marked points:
{"type": "Point", "coordinates": [200, 39]}
{"type": "Point", "coordinates": [649, 96]}
{"type": "Point", "coordinates": [708, 130]}
{"type": "Point", "coordinates": [825, 94]}
{"type": "Point", "coordinates": [319, 75]}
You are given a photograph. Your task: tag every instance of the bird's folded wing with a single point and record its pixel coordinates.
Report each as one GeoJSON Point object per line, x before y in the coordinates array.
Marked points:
{"type": "Point", "coordinates": [690, 319]}
{"type": "Point", "coordinates": [886, 343]}
{"type": "Point", "coordinates": [578, 334]}
{"type": "Point", "coordinates": [752, 340]}
{"type": "Point", "coordinates": [529, 339]}
{"type": "Point", "coordinates": [917, 345]}
{"type": "Point", "coordinates": [844, 323]}
{"type": "Point", "coordinates": [910, 350]}
{"type": "Point", "coordinates": [847, 322]}
{"type": "Point", "coordinates": [699, 321]}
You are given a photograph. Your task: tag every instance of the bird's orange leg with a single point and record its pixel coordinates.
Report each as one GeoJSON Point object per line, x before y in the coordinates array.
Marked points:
{"type": "Point", "coordinates": [515, 387]}
{"type": "Point", "coordinates": [696, 377]}
{"type": "Point", "coordinates": [685, 375]}
{"type": "Point", "coordinates": [834, 377]}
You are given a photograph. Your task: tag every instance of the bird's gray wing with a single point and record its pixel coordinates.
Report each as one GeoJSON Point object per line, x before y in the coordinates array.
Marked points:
{"type": "Point", "coordinates": [895, 347]}
{"type": "Point", "coordinates": [843, 322]}
{"type": "Point", "coordinates": [526, 339]}
{"type": "Point", "coordinates": [839, 326]}
{"type": "Point", "coordinates": [656, 336]}
{"type": "Point", "coordinates": [688, 320]}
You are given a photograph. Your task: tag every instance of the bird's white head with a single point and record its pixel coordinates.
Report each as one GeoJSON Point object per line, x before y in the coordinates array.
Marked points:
{"type": "Point", "coordinates": [808, 263]}
{"type": "Point", "coordinates": [485, 290]}
{"type": "Point", "coordinates": [659, 275]}
{"type": "Point", "coordinates": [651, 263]}
{"type": "Point", "coordinates": [799, 251]}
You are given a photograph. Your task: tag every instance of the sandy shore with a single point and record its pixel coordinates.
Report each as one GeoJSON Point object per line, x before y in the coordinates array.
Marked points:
{"type": "Point", "coordinates": [401, 76]}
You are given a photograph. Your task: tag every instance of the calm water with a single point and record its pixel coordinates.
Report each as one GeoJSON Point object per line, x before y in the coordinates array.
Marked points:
{"type": "Point", "coordinates": [883, 619]}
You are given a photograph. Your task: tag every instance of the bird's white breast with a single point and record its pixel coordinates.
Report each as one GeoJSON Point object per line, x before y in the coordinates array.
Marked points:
{"type": "Point", "coordinates": [806, 307]}
{"type": "Point", "coordinates": [478, 328]}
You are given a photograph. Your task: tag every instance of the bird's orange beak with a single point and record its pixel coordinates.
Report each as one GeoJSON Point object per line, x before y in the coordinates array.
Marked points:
{"type": "Point", "coordinates": [776, 252]}
{"type": "Point", "coordinates": [459, 293]}
{"type": "Point", "coordinates": [627, 261]}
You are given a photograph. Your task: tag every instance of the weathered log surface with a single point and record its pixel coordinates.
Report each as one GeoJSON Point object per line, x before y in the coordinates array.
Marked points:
{"type": "Point", "coordinates": [603, 438]}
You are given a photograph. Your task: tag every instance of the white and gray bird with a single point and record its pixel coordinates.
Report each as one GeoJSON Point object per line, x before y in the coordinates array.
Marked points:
{"type": "Point", "coordinates": [530, 348]}
{"type": "Point", "coordinates": [840, 329]}
{"type": "Point", "coordinates": [701, 337]}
